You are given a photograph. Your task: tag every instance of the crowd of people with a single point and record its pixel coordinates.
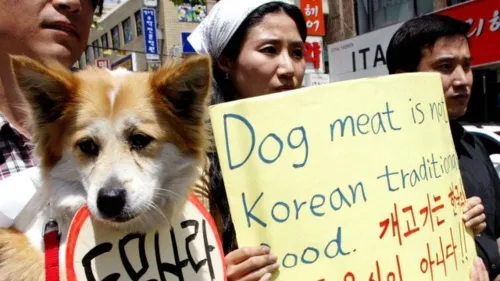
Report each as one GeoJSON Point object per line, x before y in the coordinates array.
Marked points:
{"type": "Point", "coordinates": [257, 48]}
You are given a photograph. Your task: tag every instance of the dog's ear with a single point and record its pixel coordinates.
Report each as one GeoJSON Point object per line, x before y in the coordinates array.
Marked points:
{"type": "Point", "coordinates": [185, 88]}
{"type": "Point", "coordinates": [46, 88]}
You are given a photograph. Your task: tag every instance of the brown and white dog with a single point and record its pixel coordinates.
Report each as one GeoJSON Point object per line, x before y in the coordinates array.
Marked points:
{"type": "Point", "coordinates": [128, 145]}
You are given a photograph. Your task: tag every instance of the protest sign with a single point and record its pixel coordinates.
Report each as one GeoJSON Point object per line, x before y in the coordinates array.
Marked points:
{"type": "Point", "coordinates": [189, 250]}
{"type": "Point", "coordinates": [356, 180]}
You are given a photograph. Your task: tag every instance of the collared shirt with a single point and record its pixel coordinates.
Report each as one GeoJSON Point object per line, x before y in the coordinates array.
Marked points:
{"type": "Point", "coordinates": [480, 179]}
{"type": "Point", "coordinates": [15, 150]}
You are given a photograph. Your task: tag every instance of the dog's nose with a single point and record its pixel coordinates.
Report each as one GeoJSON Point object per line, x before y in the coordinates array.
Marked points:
{"type": "Point", "coordinates": [111, 201]}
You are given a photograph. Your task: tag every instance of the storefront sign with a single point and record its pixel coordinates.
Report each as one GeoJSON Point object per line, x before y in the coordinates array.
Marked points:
{"type": "Point", "coordinates": [103, 63]}
{"type": "Point", "coordinates": [149, 29]}
{"type": "Point", "coordinates": [313, 12]}
{"type": "Point", "coordinates": [187, 48]}
{"type": "Point", "coordinates": [313, 79]}
{"type": "Point", "coordinates": [361, 56]}
{"type": "Point", "coordinates": [313, 54]}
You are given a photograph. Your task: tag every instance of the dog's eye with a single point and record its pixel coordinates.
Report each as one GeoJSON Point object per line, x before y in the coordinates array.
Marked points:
{"type": "Point", "coordinates": [88, 146]}
{"type": "Point", "coordinates": [139, 141]}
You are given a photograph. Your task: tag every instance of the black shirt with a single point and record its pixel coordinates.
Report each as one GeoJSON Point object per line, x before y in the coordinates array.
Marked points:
{"type": "Point", "coordinates": [480, 179]}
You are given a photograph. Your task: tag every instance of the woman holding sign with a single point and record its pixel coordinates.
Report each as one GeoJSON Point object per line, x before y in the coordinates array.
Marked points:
{"type": "Point", "coordinates": [258, 48]}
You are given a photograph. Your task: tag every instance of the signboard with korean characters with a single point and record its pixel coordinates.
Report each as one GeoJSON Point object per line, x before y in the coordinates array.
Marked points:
{"type": "Point", "coordinates": [103, 63]}
{"type": "Point", "coordinates": [313, 54]}
{"type": "Point", "coordinates": [313, 12]}
{"type": "Point", "coordinates": [149, 29]}
{"type": "Point", "coordinates": [484, 35]}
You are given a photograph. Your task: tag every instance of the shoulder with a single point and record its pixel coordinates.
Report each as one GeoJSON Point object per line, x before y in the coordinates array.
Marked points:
{"type": "Point", "coordinates": [469, 138]}
{"type": "Point", "coordinates": [478, 144]}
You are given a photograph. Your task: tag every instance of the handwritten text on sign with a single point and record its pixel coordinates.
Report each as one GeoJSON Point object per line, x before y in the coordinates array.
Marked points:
{"type": "Point", "coordinates": [357, 180]}
{"type": "Point", "coordinates": [190, 250]}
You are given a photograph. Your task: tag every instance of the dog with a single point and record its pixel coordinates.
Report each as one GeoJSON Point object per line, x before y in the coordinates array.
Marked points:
{"type": "Point", "coordinates": [128, 145]}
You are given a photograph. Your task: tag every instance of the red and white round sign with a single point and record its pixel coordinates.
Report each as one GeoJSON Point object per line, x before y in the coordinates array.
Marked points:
{"type": "Point", "coordinates": [190, 250]}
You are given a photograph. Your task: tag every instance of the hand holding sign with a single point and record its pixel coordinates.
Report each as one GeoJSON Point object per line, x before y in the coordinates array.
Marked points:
{"type": "Point", "coordinates": [190, 250]}
{"type": "Point", "coordinates": [251, 264]}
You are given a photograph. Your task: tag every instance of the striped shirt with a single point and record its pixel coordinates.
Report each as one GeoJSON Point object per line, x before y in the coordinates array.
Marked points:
{"type": "Point", "coordinates": [15, 150]}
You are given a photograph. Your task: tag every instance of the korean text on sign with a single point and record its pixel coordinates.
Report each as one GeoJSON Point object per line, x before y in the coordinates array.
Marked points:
{"type": "Point", "coordinates": [484, 34]}
{"type": "Point", "coordinates": [313, 12]}
{"type": "Point", "coordinates": [149, 27]}
{"type": "Point", "coordinates": [188, 249]}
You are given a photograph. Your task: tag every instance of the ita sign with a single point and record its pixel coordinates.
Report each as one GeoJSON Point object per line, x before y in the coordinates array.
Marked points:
{"type": "Point", "coordinates": [149, 28]}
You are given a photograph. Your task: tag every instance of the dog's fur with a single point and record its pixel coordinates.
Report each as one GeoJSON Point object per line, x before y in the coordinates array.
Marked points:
{"type": "Point", "coordinates": [144, 133]}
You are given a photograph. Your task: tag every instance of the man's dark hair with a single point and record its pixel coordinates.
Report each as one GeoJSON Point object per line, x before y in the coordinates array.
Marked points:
{"type": "Point", "coordinates": [405, 48]}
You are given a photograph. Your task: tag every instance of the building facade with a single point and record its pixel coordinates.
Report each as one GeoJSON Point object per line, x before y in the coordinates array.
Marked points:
{"type": "Point", "coordinates": [118, 40]}
{"type": "Point", "coordinates": [347, 39]}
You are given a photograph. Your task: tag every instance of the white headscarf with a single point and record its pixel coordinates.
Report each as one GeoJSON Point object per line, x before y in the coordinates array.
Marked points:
{"type": "Point", "coordinates": [214, 32]}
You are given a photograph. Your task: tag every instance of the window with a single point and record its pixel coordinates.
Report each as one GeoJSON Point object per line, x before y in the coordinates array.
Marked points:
{"type": "Point", "coordinates": [104, 41]}
{"type": "Point", "coordinates": [138, 22]}
{"type": "Point", "coordinates": [97, 50]}
{"type": "Point", "coordinates": [81, 62]}
{"type": "Point", "coordinates": [490, 144]}
{"type": "Point", "coordinates": [375, 14]}
{"type": "Point", "coordinates": [127, 30]}
{"type": "Point", "coordinates": [88, 55]}
{"type": "Point", "coordinates": [76, 66]}
{"type": "Point", "coordinates": [454, 2]}
{"type": "Point", "coordinates": [115, 37]}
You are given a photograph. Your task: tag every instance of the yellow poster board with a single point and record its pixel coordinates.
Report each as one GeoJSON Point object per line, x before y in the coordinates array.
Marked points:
{"type": "Point", "coordinates": [356, 180]}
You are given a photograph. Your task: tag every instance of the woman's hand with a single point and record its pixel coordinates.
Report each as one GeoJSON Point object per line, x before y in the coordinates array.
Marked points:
{"type": "Point", "coordinates": [251, 264]}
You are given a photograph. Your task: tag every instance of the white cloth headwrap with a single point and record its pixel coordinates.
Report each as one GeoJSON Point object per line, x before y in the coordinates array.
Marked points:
{"type": "Point", "coordinates": [214, 32]}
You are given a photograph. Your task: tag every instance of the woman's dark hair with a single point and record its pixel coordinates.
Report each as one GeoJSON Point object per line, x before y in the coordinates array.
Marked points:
{"type": "Point", "coordinates": [225, 93]}
{"type": "Point", "coordinates": [233, 47]}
